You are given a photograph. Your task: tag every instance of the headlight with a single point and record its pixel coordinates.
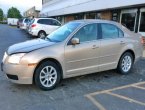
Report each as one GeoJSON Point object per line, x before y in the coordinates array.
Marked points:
{"type": "Point", "coordinates": [15, 59]}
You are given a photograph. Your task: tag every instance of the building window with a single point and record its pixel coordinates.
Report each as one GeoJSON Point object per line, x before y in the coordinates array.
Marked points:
{"type": "Point", "coordinates": [98, 16]}
{"type": "Point", "coordinates": [59, 18]}
{"type": "Point", "coordinates": [116, 15]}
{"type": "Point", "coordinates": [106, 15]}
{"type": "Point", "coordinates": [128, 20]}
{"type": "Point", "coordinates": [69, 18]}
{"type": "Point", "coordinates": [78, 16]}
{"type": "Point", "coordinates": [91, 16]}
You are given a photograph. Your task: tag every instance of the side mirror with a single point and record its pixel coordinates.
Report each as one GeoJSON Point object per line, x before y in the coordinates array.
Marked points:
{"type": "Point", "coordinates": [75, 41]}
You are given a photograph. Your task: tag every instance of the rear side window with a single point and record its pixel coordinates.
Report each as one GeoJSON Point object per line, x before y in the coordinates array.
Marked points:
{"type": "Point", "coordinates": [42, 21]}
{"type": "Point", "coordinates": [111, 31]}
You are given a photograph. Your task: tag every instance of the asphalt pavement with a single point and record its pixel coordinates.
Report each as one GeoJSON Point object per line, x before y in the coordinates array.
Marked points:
{"type": "Point", "coordinates": [99, 91]}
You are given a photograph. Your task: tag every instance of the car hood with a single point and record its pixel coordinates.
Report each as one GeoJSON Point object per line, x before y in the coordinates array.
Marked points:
{"type": "Point", "coordinates": [28, 46]}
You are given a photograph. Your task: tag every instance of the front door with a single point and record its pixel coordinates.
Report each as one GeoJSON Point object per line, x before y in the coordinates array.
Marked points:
{"type": "Point", "coordinates": [84, 57]}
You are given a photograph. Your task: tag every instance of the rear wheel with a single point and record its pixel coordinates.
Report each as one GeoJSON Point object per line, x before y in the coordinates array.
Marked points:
{"type": "Point", "coordinates": [125, 63]}
{"type": "Point", "coordinates": [47, 75]}
{"type": "Point", "coordinates": [41, 34]}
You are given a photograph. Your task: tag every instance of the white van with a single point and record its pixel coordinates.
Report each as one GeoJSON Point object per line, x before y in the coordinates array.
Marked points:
{"type": "Point", "coordinates": [12, 21]}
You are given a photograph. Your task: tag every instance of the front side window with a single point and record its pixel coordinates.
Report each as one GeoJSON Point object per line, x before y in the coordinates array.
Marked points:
{"type": "Point", "coordinates": [87, 33]}
{"type": "Point", "coordinates": [110, 31]}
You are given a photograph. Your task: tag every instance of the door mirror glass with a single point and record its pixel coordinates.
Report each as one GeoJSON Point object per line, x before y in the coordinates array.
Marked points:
{"type": "Point", "coordinates": [75, 41]}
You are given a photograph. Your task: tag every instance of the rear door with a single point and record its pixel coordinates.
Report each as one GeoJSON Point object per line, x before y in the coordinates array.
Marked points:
{"type": "Point", "coordinates": [42, 25]}
{"type": "Point", "coordinates": [112, 43]}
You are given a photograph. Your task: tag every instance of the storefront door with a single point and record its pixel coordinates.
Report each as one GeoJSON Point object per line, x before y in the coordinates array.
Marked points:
{"type": "Point", "coordinates": [141, 28]}
{"type": "Point", "coordinates": [69, 18]}
{"type": "Point", "coordinates": [128, 18]}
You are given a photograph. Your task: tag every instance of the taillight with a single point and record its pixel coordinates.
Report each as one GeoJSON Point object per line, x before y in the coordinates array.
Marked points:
{"type": "Point", "coordinates": [33, 25]}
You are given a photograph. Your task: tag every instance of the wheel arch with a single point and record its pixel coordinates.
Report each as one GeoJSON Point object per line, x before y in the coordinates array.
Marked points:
{"type": "Point", "coordinates": [41, 31]}
{"type": "Point", "coordinates": [130, 51]}
{"type": "Point", "coordinates": [48, 59]}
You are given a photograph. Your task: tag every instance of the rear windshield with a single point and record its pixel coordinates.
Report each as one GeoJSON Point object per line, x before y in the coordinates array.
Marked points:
{"type": "Point", "coordinates": [27, 20]}
{"type": "Point", "coordinates": [20, 20]}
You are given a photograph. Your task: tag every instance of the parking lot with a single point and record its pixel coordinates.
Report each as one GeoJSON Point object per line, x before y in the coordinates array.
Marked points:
{"type": "Point", "coordinates": [101, 91]}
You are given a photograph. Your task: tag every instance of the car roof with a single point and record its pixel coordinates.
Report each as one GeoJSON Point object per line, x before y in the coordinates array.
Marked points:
{"type": "Point", "coordinates": [85, 21]}
{"type": "Point", "coordinates": [45, 18]}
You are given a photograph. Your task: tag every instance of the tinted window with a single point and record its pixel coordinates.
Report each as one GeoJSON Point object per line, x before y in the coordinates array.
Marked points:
{"type": "Point", "coordinates": [87, 33]}
{"type": "Point", "coordinates": [42, 21]}
{"type": "Point", "coordinates": [109, 31]}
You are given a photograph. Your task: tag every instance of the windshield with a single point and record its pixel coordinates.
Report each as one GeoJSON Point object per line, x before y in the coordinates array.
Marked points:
{"type": "Point", "coordinates": [63, 32]}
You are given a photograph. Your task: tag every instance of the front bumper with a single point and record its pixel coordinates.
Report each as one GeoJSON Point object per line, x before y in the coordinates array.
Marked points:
{"type": "Point", "coordinates": [20, 74]}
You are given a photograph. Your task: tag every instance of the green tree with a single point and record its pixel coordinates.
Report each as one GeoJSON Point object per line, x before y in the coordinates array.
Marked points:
{"type": "Point", "coordinates": [13, 13]}
{"type": "Point", "coordinates": [1, 15]}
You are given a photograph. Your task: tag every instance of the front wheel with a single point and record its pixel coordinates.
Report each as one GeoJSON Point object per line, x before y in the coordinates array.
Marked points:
{"type": "Point", "coordinates": [47, 75]}
{"type": "Point", "coordinates": [125, 63]}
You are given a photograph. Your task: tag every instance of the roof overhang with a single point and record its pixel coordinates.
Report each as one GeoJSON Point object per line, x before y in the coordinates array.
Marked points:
{"type": "Point", "coordinates": [65, 7]}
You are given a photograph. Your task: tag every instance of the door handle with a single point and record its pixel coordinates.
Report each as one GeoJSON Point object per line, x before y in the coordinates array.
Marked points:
{"type": "Point", "coordinates": [95, 46]}
{"type": "Point", "coordinates": [122, 42]}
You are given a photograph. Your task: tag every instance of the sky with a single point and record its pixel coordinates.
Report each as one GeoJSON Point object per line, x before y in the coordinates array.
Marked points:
{"type": "Point", "coordinates": [21, 5]}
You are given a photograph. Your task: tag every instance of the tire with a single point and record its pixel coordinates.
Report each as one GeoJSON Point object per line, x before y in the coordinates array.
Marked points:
{"type": "Point", "coordinates": [41, 34]}
{"type": "Point", "coordinates": [125, 63]}
{"type": "Point", "coordinates": [43, 80]}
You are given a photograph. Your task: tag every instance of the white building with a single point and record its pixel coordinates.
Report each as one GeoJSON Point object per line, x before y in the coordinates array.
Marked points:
{"type": "Point", "coordinates": [130, 13]}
